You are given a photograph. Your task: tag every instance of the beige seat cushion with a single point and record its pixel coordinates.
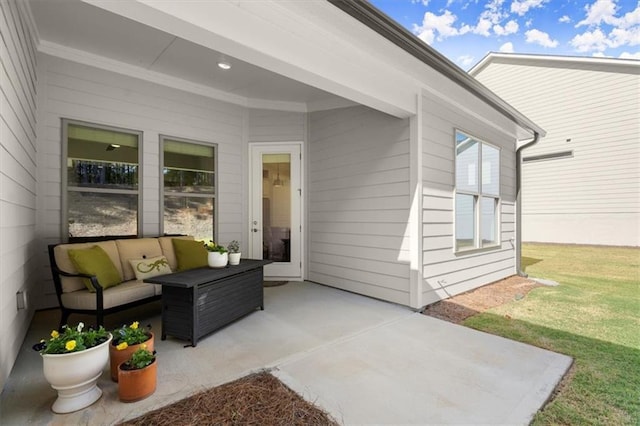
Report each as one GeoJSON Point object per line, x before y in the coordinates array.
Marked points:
{"type": "Point", "coordinates": [169, 253]}
{"type": "Point", "coordinates": [126, 292]}
{"type": "Point", "coordinates": [72, 284]}
{"type": "Point", "coordinates": [136, 249]}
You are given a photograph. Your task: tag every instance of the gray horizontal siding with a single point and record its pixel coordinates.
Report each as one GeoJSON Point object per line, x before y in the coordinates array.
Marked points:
{"type": "Point", "coordinates": [446, 273]}
{"type": "Point", "coordinates": [358, 202]}
{"type": "Point", "coordinates": [276, 126]}
{"type": "Point", "coordinates": [19, 254]}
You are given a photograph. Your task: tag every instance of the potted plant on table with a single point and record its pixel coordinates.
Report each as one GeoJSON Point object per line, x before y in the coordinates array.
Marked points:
{"type": "Point", "coordinates": [234, 252]}
{"type": "Point", "coordinates": [218, 256]}
{"type": "Point", "coordinates": [137, 377]}
{"type": "Point", "coordinates": [72, 363]}
{"type": "Point", "coordinates": [126, 340]}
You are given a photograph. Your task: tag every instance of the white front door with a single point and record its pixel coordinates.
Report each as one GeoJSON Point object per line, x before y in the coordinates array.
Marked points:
{"type": "Point", "coordinates": [276, 208]}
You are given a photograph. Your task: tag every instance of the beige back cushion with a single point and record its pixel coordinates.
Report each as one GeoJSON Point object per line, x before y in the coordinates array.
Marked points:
{"type": "Point", "coordinates": [70, 284]}
{"type": "Point", "coordinates": [167, 250]}
{"type": "Point", "coordinates": [139, 248]}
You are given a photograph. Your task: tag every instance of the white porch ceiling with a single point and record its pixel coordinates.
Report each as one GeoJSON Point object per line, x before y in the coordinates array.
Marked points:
{"type": "Point", "coordinates": [84, 27]}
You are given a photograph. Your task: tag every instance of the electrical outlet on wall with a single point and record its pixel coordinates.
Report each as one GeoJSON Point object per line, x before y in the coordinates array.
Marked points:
{"type": "Point", "coordinates": [21, 300]}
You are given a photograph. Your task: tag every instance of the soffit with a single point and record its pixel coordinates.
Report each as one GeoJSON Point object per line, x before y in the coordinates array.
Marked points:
{"type": "Point", "coordinates": [78, 25]}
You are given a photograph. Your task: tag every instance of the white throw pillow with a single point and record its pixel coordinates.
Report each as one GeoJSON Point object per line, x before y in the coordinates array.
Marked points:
{"type": "Point", "coordinates": [151, 267]}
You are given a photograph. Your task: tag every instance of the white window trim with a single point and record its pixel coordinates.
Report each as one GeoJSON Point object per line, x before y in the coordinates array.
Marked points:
{"type": "Point", "coordinates": [64, 199]}
{"type": "Point", "coordinates": [478, 196]}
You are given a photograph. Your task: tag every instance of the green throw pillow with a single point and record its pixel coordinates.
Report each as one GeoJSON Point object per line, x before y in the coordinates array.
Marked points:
{"type": "Point", "coordinates": [95, 261]}
{"type": "Point", "coordinates": [190, 254]}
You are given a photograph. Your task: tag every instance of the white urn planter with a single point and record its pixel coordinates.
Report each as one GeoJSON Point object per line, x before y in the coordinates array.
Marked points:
{"type": "Point", "coordinates": [75, 375]}
{"type": "Point", "coordinates": [217, 260]}
{"type": "Point", "coordinates": [234, 258]}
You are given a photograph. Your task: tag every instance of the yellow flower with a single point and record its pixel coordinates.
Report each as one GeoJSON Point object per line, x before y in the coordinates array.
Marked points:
{"type": "Point", "coordinates": [143, 346]}
{"type": "Point", "coordinates": [122, 346]}
{"type": "Point", "coordinates": [71, 345]}
{"type": "Point", "coordinates": [134, 326]}
{"type": "Point", "coordinates": [55, 334]}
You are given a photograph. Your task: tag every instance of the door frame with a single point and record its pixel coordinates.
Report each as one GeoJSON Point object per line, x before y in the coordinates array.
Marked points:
{"type": "Point", "coordinates": [249, 225]}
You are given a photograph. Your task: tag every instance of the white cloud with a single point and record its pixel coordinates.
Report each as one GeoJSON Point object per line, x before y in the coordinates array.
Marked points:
{"type": "Point", "coordinates": [507, 47]}
{"type": "Point", "coordinates": [541, 38]}
{"type": "Point", "coordinates": [528, 23]}
{"type": "Point", "coordinates": [493, 12]}
{"type": "Point", "coordinates": [423, 2]}
{"type": "Point", "coordinates": [625, 30]}
{"type": "Point", "coordinates": [598, 12]}
{"type": "Point", "coordinates": [599, 55]}
{"type": "Point", "coordinates": [465, 60]}
{"type": "Point", "coordinates": [565, 19]}
{"type": "Point", "coordinates": [511, 27]}
{"type": "Point", "coordinates": [627, 55]}
{"type": "Point", "coordinates": [630, 19]}
{"type": "Point", "coordinates": [523, 6]}
{"type": "Point", "coordinates": [624, 37]}
{"type": "Point", "coordinates": [483, 27]}
{"type": "Point", "coordinates": [589, 41]}
{"type": "Point", "coordinates": [438, 27]}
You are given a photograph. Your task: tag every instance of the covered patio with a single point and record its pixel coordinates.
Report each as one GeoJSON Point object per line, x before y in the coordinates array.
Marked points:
{"type": "Point", "coordinates": [363, 360]}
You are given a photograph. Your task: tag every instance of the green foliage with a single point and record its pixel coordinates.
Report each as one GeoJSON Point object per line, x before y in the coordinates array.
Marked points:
{"type": "Point", "coordinates": [213, 247]}
{"type": "Point", "coordinates": [139, 359]}
{"type": "Point", "coordinates": [131, 334]}
{"type": "Point", "coordinates": [591, 316]}
{"type": "Point", "coordinates": [234, 246]}
{"type": "Point", "coordinates": [72, 339]}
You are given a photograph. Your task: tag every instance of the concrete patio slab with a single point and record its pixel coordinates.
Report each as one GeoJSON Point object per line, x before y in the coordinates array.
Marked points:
{"type": "Point", "coordinates": [421, 370]}
{"type": "Point", "coordinates": [367, 360]}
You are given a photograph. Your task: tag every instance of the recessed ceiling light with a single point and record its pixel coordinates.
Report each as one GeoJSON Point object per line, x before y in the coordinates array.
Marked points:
{"type": "Point", "coordinates": [224, 65]}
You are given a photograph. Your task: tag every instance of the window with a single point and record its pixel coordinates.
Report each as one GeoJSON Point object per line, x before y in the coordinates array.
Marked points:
{"type": "Point", "coordinates": [100, 187]}
{"type": "Point", "coordinates": [477, 197]}
{"type": "Point", "coordinates": [189, 183]}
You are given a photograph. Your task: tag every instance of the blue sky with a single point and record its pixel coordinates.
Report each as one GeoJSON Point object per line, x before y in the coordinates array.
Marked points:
{"type": "Point", "coordinates": [465, 31]}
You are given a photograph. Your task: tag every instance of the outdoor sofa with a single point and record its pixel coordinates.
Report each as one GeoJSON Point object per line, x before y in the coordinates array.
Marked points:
{"type": "Point", "coordinates": [83, 293]}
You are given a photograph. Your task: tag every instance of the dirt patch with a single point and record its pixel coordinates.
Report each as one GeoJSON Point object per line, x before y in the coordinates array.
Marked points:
{"type": "Point", "coordinates": [258, 399]}
{"type": "Point", "coordinates": [458, 308]}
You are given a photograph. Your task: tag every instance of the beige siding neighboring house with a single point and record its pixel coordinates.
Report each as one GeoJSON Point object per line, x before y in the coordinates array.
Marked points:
{"type": "Point", "coordinates": [581, 184]}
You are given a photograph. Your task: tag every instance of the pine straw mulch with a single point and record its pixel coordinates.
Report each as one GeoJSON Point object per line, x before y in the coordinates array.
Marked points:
{"type": "Point", "coordinates": [458, 308]}
{"type": "Point", "coordinates": [257, 399]}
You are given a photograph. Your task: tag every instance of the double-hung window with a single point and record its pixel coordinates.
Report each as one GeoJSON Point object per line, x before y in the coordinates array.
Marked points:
{"type": "Point", "coordinates": [189, 186]}
{"type": "Point", "coordinates": [100, 188]}
{"type": "Point", "coordinates": [477, 198]}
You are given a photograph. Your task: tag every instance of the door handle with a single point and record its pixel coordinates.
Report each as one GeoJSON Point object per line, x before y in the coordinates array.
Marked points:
{"type": "Point", "coordinates": [255, 229]}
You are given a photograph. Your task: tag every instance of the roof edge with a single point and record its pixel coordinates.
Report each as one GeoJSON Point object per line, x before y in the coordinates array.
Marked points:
{"type": "Point", "coordinates": [381, 23]}
{"type": "Point", "coordinates": [489, 57]}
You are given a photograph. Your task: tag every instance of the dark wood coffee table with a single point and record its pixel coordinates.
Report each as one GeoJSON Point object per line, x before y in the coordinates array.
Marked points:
{"type": "Point", "coordinates": [199, 301]}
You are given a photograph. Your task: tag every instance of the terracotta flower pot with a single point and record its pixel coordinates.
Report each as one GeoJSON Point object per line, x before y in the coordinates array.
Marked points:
{"type": "Point", "coordinates": [134, 385]}
{"type": "Point", "coordinates": [117, 357]}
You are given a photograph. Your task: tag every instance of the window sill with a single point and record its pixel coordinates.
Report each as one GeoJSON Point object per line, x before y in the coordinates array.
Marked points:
{"type": "Point", "coordinates": [465, 252]}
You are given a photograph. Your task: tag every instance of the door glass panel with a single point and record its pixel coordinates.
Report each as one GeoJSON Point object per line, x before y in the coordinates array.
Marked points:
{"type": "Point", "coordinates": [276, 207]}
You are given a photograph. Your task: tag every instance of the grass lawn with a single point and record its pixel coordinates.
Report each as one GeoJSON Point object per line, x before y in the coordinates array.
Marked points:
{"type": "Point", "coordinates": [594, 317]}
